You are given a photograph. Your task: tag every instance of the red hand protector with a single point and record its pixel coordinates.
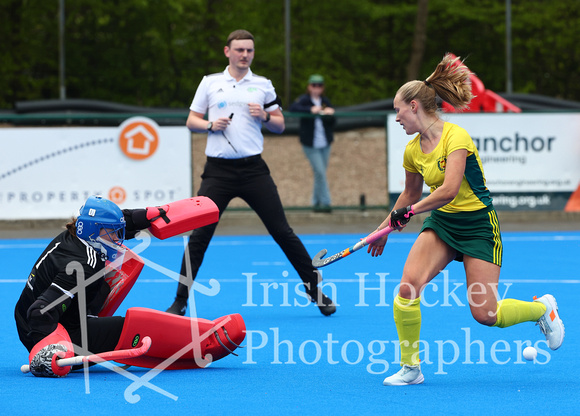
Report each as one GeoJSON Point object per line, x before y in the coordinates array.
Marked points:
{"type": "Point", "coordinates": [43, 356]}
{"type": "Point", "coordinates": [182, 216]}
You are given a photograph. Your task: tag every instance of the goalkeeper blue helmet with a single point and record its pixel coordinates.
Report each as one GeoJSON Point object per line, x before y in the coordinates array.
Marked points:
{"type": "Point", "coordinates": [101, 224]}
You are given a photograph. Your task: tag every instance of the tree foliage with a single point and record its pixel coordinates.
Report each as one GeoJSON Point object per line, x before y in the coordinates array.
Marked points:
{"type": "Point", "coordinates": [154, 53]}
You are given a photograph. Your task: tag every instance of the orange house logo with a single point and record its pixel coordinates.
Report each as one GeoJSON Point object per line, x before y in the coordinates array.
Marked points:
{"type": "Point", "coordinates": [138, 137]}
{"type": "Point", "coordinates": [117, 194]}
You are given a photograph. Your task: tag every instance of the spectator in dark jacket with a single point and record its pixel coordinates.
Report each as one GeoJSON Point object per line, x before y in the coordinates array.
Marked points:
{"type": "Point", "coordinates": [316, 137]}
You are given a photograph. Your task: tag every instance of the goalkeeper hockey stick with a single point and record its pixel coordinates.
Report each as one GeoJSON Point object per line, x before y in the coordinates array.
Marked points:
{"type": "Point", "coordinates": [318, 261]}
{"type": "Point", "coordinates": [101, 357]}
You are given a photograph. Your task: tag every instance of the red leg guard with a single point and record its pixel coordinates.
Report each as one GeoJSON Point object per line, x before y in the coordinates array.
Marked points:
{"type": "Point", "coordinates": [179, 342]}
{"type": "Point", "coordinates": [121, 282]}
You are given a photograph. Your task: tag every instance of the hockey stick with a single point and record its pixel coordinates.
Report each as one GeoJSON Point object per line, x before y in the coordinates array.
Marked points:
{"type": "Point", "coordinates": [318, 261]}
{"type": "Point", "coordinates": [104, 356]}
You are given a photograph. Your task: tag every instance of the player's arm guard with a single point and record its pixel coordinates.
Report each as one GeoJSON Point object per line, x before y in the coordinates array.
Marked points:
{"type": "Point", "coordinates": [179, 342]}
{"type": "Point", "coordinates": [121, 282]}
{"type": "Point", "coordinates": [43, 356]}
{"type": "Point", "coordinates": [182, 216]}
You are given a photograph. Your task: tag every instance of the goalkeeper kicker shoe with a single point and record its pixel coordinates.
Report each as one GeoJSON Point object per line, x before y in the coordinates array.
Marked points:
{"type": "Point", "coordinates": [550, 323]}
{"type": "Point", "coordinates": [409, 374]}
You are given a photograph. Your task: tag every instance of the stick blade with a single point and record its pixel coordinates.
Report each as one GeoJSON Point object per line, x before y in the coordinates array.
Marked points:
{"type": "Point", "coordinates": [317, 260]}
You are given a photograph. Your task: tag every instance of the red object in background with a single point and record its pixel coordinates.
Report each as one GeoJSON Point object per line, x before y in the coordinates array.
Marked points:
{"type": "Point", "coordinates": [485, 101]}
{"type": "Point", "coordinates": [573, 204]}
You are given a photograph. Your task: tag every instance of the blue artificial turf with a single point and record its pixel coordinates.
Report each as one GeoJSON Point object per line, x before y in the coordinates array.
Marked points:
{"type": "Point", "coordinates": [296, 361]}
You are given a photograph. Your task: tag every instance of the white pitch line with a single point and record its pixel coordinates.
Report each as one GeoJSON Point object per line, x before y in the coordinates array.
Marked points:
{"type": "Point", "coordinates": [23, 246]}
{"type": "Point", "coordinates": [309, 241]}
{"type": "Point", "coordinates": [282, 279]}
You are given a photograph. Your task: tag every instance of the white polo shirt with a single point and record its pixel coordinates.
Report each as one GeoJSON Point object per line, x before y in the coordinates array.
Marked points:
{"type": "Point", "coordinates": [220, 95]}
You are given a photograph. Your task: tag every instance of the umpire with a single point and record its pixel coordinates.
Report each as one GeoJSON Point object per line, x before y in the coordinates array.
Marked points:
{"type": "Point", "coordinates": [237, 103]}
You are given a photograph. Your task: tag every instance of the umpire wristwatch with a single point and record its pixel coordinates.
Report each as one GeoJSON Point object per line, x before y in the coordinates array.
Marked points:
{"type": "Point", "coordinates": [209, 125]}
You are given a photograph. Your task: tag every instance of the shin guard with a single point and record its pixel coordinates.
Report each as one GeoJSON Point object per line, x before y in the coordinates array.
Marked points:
{"type": "Point", "coordinates": [179, 342]}
{"type": "Point", "coordinates": [407, 314]}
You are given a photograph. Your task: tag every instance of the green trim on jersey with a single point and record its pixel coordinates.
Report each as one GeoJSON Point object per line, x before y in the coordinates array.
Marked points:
{"type": "Point", "coordinates": [476, 179]}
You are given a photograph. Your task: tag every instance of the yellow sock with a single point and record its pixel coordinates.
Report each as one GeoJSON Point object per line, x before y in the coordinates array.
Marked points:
{"type": "Point", "coordinates": [512, 311]}
{"type": "Point", "coordinates": [408, 321]}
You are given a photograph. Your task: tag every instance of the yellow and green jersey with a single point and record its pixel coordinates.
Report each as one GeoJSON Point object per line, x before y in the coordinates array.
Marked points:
{"type": "Point", "coordinates": [473, 194]}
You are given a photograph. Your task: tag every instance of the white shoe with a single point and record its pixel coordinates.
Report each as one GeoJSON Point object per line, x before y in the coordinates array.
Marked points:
{"type": "Point", "coordinates": [409, 374]}
{"type": "Point", "coordinates": [550, 323]}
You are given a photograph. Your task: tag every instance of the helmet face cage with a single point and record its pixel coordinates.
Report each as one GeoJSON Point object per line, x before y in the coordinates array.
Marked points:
{"type": "Point", "coordinates": [116, 234]}
{"type": "Point", "coordinates": [101, 214]}
{"type": "Point", "coordinates": [112, 244]}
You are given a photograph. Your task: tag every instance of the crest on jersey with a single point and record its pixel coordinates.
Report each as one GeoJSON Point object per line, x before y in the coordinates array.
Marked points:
{"type": "Point", "coordinates": [442, 164]}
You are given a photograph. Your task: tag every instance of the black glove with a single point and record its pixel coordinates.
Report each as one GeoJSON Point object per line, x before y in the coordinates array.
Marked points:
{"type": "Point", "coordinates": [401, 216]}
{"type": "Point", "coordinates": [136, 219]}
